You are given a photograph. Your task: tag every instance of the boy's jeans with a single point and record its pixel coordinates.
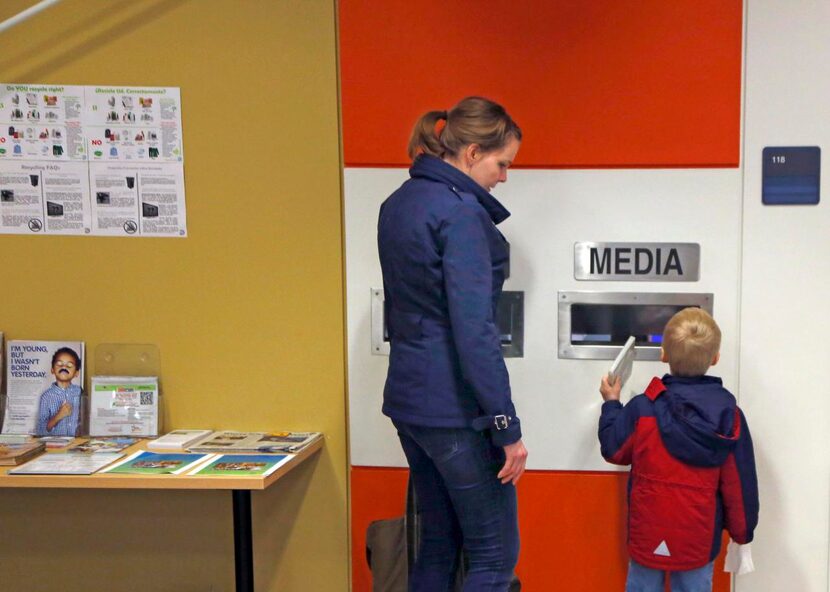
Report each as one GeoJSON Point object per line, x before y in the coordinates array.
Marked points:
{"type": "Point", "coordinates": [459, 500]}
{"type": "Point", "coordinates": [645, 579]}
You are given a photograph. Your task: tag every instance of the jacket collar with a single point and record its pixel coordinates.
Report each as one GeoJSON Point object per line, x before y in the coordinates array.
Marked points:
{"type": "Point", "coordinates": [435, 169]}
{"type": "Point", "coordinates": [668, 379]}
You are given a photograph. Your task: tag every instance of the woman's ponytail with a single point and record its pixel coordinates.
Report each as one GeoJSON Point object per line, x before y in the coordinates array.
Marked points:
{"type": "Point", "coordinates": [425, 138]}
{"type": "Point", "coordinates": [474, 120]}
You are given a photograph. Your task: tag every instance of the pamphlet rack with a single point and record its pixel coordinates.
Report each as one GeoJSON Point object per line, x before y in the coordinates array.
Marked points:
{"type": "Point", "coordinates": [130, 359]}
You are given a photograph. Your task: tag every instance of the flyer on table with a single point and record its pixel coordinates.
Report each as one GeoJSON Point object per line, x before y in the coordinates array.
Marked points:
{"type": "Point", "coordinates": [103, 445]}
{"type": "Point", "coordinates": [66, 464]}
{"type": "Point", "coordinates": [260, 465]}
{"type": "Point", "coordinates": [154, 463]}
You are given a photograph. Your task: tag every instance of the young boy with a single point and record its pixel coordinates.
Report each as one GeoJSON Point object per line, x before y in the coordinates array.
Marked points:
{"type": "Point", "coordinates": [60, 405]}
{"type": "Point", "coordinates": [692, 463]}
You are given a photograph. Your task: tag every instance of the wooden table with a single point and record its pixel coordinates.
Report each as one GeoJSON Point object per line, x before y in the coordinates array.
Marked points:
{"type": "Point", "coordinates": [240, 488]}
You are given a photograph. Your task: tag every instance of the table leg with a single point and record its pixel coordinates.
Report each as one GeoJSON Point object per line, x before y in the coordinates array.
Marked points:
{"type": "Point", "coordinates": [243, 546]}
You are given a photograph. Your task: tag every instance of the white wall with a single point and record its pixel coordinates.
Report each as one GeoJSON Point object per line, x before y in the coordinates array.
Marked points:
{"type": "Point", "coordinates": [557, 400]}
{"type": "Point", "coordinates": [785, 322]}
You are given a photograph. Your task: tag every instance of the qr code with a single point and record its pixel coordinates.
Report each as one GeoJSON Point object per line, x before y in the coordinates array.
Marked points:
{"type": "Point", "coordinates": [146, 397]}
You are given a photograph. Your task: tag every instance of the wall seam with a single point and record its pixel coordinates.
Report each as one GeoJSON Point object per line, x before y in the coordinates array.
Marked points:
{"type": "Point", "coordinates": [344, 290]}
{"type": "Point", "coordinates": [742, 165]}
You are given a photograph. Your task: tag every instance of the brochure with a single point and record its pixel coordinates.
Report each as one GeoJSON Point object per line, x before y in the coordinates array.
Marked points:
{"type": "Point", "coordinates": [66, 464]}
{"type": "Point", "coordinates": [99, 445]}
{"type": "Point", "coordinates": [58, 441]}
{"type": "Point", "coordinates": [15, 454]}
{"type": "Point", "coordinates": [256, 442]}
{"type": "Point", "coordinates": [124, 405]}
{"type": "Point", "coordinates": [15, 438]}
{"type": "Point", "coordinates": [624, 363]}
{"type": "Point", "coordinates": [154, 463]}
{"type": "Point", "coordinates": [260, 465]}
{"type": "Point", "coordinates": [43, 398]}
{"type": "Point", "coordinates": [178, 439]}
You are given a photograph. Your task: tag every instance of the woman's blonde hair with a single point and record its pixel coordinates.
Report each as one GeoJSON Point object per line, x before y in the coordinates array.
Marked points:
{"type": "Point", "coordinates": [691, 340]}
{"type": "Point", "coordinates": [474, 120]}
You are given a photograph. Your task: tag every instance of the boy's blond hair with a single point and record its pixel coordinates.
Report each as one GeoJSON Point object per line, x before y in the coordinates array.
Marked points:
{"type": "Point", "coordinates": [691, 340]}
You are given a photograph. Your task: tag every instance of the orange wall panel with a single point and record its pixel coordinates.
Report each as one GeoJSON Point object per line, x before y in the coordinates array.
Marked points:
{"type": "Point", "coordinates": [645, 83]}
{"type": "Point", "coordinates": [572, 527]}
{"type": "Point", "coordinates": [376, 493]}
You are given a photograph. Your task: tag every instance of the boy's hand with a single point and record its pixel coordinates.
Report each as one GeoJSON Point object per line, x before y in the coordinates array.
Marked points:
{"type": "Point", "coordinates": [610, 391]}
{"type": "Point", "coordinates": [64, 411]}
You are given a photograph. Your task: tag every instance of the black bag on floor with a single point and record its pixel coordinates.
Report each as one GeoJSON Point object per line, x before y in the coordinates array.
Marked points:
{"type": "Point", "coordinates": [386, 555]}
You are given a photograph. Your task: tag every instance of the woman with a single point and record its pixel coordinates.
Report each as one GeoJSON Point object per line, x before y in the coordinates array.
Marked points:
{"type": "Point", "coordinates": [447, 390]}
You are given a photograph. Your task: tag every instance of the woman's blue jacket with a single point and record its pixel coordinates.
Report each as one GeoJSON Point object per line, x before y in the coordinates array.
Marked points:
{"type": "Point", "coordinates": [443, 263]}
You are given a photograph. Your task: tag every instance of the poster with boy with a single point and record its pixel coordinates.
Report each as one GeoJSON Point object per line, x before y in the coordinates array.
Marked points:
{"type": "Point", "coordinates": [44, 387]}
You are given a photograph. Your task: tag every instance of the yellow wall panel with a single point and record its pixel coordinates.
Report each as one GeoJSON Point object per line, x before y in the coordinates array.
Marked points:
{"type": "Point", "coordinates": [247, 311]}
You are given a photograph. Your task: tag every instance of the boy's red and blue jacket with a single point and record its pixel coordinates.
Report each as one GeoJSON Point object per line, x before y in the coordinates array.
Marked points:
{"type": "Point", "coordinates": [692, 470]}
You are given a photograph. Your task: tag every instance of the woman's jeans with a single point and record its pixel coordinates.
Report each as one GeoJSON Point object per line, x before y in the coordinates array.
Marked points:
{"type": "Point", "coordinates": [645, 579]}
{"type": "Point", "coordinates": [460, 501]}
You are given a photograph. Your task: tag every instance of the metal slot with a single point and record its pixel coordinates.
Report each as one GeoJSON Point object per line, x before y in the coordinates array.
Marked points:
{"type": "Point", "coordinates": [509, 319]}
{"type": "Point", "coordinates": [380, 336]}
{"type": "Point", "coordinates": [595, 325]}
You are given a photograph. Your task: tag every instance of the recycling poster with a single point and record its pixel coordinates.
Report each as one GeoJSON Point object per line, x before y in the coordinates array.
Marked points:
{"type": "Point", "coordinates": [91, 160]}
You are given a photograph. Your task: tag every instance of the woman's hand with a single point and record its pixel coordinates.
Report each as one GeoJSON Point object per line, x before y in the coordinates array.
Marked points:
{"type": "Point", "coordinates": [514, 464]}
